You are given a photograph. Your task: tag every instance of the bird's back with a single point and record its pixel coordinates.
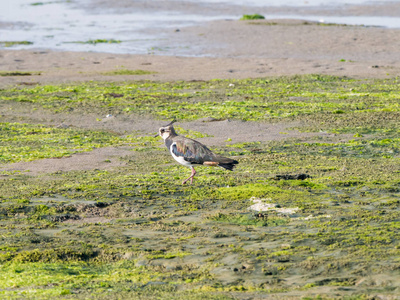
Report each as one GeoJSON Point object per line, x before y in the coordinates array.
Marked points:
{"type": "Point", "coordinates": [195, 152]}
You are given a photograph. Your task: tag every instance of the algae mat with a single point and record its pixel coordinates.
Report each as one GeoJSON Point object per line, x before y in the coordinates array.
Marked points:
{"type": "Point", "coordinates": [313, 214]}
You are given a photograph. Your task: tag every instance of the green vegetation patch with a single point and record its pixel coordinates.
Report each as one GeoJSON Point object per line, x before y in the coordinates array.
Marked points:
{"type": "Point", "coordinates": [252, 17]}
{"type": "Point", "coordinates": [383, 147]}
{"type": "Point", "coordinates": [323, 103]}
{"type": "Point", "coordinates": [98, 41]}
{"type": "Point", "coordinates": [253, 190]}
{"type": "Point", "coordinates": [14, 43]}
{"type": "Point", "coordinates": [18, 73]}
{"type": "Point", "coordinates": [49, 2]}
{"type": "Point", "coordinates": [129, 72]}
{"type": "Point", "coordinates": [26, 142]}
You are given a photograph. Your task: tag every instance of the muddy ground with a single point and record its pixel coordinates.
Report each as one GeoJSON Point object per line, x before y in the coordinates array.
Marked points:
{"type": "Point", "coordinates": [227, 49]}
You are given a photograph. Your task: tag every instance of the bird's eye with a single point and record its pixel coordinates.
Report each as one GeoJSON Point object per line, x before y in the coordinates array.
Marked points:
{"type": "Point", "coordinates": [162, 130]}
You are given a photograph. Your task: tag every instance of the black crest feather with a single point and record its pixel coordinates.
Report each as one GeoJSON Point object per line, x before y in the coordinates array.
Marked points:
{"type": "Point", "coordinates": [172, 122]}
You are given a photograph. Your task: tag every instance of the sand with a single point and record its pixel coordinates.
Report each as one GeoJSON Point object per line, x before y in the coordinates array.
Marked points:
{"type": "Point", "coordinates": [227, 49]}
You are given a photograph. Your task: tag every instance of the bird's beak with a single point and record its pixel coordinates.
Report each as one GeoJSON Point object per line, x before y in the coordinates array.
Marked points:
{"type": "Point", "coordinates": [156, 135]}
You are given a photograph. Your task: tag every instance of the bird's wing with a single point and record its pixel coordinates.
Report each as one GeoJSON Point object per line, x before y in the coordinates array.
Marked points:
{"type": "Point", "coordinates": [192, 151]}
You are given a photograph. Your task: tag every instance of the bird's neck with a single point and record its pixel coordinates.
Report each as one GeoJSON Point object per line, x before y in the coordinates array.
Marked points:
{"type": "Point", "coordinates": [170, 137]}
{"type": "Point", "coordinates": [172, 134]}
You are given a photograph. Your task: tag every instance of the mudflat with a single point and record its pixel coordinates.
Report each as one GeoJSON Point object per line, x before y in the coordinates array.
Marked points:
{"type": "Point", "coordinates": [227, 49]}
{"type": "Point", "coordinates": [93, 201]}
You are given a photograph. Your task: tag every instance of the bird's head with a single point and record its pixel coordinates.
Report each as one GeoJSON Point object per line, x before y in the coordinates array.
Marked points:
{"type": "Point", "coordinates": [167, 131]}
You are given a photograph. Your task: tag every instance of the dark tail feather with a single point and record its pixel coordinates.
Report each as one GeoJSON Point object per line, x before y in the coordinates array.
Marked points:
{"type": "Point", "coordinates": [229, 166]}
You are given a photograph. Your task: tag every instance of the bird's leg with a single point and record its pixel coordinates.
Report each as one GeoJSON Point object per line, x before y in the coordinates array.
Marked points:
{"type": "Point", "coordinates": [190, 177]}
{"type": "Point", "coordinates": [193, 173]}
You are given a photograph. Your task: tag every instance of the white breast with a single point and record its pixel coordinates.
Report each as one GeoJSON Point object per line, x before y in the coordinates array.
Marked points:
{"type": "Point", "coordinates": [179, 159]}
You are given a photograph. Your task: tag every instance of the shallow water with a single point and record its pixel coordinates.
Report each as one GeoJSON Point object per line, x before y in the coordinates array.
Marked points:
{"type": "Point", "coordinates": [69, 25]}
{"type": "Point", "coordinates": [290, 2]}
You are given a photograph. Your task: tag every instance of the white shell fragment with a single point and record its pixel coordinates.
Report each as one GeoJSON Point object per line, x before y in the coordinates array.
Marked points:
{"type": "Point", "coordinates": [263, 205]}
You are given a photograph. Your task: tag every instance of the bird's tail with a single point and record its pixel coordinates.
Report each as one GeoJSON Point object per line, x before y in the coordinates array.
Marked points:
{"type": "Point", "coordinates": [228, 165]}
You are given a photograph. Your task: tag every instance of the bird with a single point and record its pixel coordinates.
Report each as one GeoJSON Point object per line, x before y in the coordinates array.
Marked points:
{"type": "Point", "coordinates": [189, 152]}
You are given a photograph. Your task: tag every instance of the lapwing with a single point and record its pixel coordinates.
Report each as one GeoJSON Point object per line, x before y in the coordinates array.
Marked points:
{"type": "Point", "coordinates": [189, 152]}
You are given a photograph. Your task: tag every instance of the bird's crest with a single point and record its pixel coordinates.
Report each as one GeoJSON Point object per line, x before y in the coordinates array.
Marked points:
{"type": "Point", "coordinates": [170, 123]}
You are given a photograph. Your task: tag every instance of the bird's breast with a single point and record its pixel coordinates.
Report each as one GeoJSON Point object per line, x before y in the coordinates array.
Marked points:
{"type": "Point", "coordinates": [179, 158]}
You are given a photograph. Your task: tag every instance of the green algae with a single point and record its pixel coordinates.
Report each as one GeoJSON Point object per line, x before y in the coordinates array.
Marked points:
{"type": "Point", "coordinates": [324, 102]}
{"type": "Point", "coordinates": [26, 142]}
{"type": "Point", "coordinates": [136, 232]}
{"type": "Point", "coordinates": [14, 43]}
{"type": "Point", "coordinates": [259, 190]}
{"type": "Point", "coordinates": [252, 17]}
{"type": "Point", "coordinates": [129, 72]}
{"type": "Point", "coordinates": [18, 73]}
{"type": "Point", "coordinates": [97, 41]}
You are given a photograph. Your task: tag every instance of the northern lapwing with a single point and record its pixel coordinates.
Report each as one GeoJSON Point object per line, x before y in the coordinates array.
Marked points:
{"type": "Point", "coordinates": [189, 152]}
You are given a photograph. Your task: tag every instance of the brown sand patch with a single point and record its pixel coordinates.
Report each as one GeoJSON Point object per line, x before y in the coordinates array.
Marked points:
{"type": "Point", "coordinates": [88, 220]}
{"type": "Point", "coordinates": [231, 132]}
{"type": "Point", "coordinates": [218, 8]}
{"type": "Point", "coordinates": [234, 49]}
{"type": "Point", "coordinates": [102, 158]}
